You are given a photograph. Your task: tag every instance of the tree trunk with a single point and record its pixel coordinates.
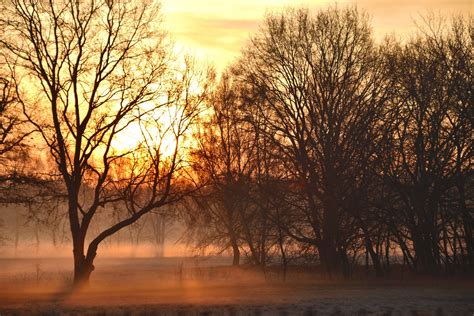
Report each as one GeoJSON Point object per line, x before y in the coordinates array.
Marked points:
{"type": "Point", "coordinates": [17, 231]}
{"type": "Point", "coordinates": [374, 256]}
{"type": "Point", "coordinates": [328, 245]}
{"type": "Point", "coordinates": [83, 266]}
{"type": "Point", "coordinates": [467, 225]}
{"type": "Point", "coordinates": [82, 271]}
{"type": "Point", "coordinates": [329, 256]}
{"type": "Point", "coordinates": [283, 254]}
{"type": "Point", "coordinates": [236, 253]}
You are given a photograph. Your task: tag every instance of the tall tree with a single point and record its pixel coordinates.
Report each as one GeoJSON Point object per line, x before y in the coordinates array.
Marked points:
{"type": "Point", "coordinates": [324, 90]}
{"type": "Point", "coordinates": [430, 165]}
{"type": "Point", "coordinates": [92, 71]}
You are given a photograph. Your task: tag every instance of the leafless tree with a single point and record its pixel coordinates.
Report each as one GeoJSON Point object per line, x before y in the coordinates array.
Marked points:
{"type": "Point", "coordinates": [13, 135]}
{"type": "Point", "coordinates": [94, 70]}
{"type": "Point", "coordinates": [223, 166]}
{"type": "Point", "coordinates": [429, 167]}
{"type": "Point", "coordinates": [324, 90]}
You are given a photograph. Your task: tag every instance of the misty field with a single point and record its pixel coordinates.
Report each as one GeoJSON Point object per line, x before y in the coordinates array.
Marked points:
{"type": "Point", "coordinates": [190, 286]}
{"type": "Point", "coordinates": [327, 169]}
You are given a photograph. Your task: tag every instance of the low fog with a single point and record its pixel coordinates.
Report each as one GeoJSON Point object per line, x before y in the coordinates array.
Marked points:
{"type": "Point", "coordinates": [325, 170]}
{"type": "Point", "coordinates": [27, 233]}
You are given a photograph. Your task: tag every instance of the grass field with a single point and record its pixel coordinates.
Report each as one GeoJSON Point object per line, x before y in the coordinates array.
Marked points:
{"type": "Point", "coordinates": [177, 286]}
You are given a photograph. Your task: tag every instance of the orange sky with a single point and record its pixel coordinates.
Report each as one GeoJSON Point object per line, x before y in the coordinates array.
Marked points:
{"type": "Point", "coordinates": [215, 30]}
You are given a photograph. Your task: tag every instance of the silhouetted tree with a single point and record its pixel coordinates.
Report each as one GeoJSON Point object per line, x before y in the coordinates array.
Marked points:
{"type": "Point", "coordinates": [324, 89]}
{"type": "Point", "coordinates": [95, 69]}
{"type": "Point", "coordinates": [431, 151]}
{"type": "Point", "coordinates": [222, 161]}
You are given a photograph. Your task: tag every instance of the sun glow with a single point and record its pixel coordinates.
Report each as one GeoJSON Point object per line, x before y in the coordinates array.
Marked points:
{"type": "Point", "coordinates": [157, 131]}
{"type": "Point", "coordinates": [167, 125]}
{"type": "Point", "coordinates": [216, 30]}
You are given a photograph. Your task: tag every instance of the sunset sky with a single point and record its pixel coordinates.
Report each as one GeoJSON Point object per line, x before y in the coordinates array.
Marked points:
{"type": "Point", "coordinates": [215, 30]}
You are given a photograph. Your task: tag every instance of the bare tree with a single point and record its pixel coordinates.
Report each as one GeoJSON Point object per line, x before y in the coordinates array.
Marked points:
{"type": "Point", "coordinates": [93, 70]}
{"type": "Point", "coordinates": [324, 89]}
{"type": "Point", "coordinates": [13, 135]}
{"type": "Point", "coordinates": [223, 166]}
{"type": "Point", "coordinates": [9, 119]}
{"type": "Point", "coordinates": [430, 165]}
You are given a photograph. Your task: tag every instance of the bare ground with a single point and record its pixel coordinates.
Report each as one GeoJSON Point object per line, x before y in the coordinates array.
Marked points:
{"type": "Point", "coordinates": [206, 287]}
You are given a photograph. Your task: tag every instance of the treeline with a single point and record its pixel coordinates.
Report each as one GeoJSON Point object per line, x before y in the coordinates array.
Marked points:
{"type": "Point", "coordinates": [323, 142]}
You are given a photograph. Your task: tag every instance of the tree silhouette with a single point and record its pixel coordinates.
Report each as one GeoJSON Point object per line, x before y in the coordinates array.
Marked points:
{"type": "Point", "coordinates": [324, 89]}
{"type": "Point", "coordinates": [94, 69]}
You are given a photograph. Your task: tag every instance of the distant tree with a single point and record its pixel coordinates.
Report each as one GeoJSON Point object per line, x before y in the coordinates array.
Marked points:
{"type": "Point", "coordinates": [222, 161]}
{"type": "Point", "coordinates": [238, 206]}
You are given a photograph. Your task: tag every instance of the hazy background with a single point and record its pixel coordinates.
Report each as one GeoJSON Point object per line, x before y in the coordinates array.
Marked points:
{"type": "Point", "coordinates": [25, 236]}
{"type": "Point", "coordinates": [216, 30]}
